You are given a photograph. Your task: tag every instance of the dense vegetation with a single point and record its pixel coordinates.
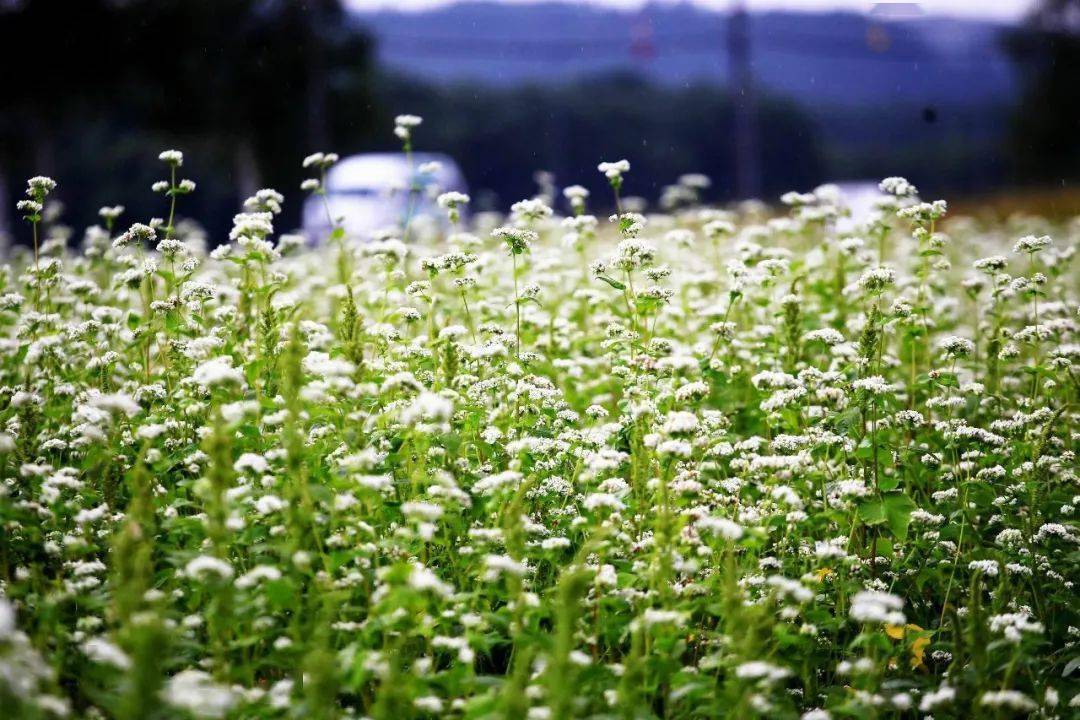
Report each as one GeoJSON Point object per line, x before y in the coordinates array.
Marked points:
{"type": "Point", "coordinates": [743, 462]}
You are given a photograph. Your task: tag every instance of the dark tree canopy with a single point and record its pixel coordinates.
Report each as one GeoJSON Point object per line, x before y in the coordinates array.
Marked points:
{"type": "Point", "coordinates": [246, 86]}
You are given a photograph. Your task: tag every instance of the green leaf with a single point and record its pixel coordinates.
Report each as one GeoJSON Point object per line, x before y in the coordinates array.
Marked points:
{"type": "Point", "coordinates": [888, 482]}
{"type": "Point", "coordinates": [898, 509]}
{"type": "Point", "coordinates": [872, 512]}
{"type": "Point", "coordinates": [893, 509]}
{"type": "Point", "coordinates": [613, 283]}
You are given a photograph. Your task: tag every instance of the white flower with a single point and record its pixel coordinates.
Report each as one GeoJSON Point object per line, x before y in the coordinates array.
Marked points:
{"type": "Point", "coordinates": [957, 346]}
{"type": "Point", "coordinates": [452, 199]}
{"type": "Point", "coordinates": [897, 186]}
{"type": "Point", "coordinates": [258, 574]}
{"type": "Point", "coordinates": [873, 606]}
{"type": "Point", "coordinates": [722, 527]}
{"type": "Point", "coordinates": [172, 157]}
{"type": "Point", "coordinates": [873, 385]}
{"type": "Point", "coordinates": [204, 566]}
{"type": "Point", "coordinates": [614, 170]}
{"type": "Point", "coordinates": [428, 408]}
{"type": "Point", "coordinates": [1012, 699]}
{"type": "Point", "coordinates": [423, 579]}
{"type": "Point", "coordinates": [1030, 244]}
{"type": "Point", "coordinates": [656, 616]}
{"type": "Point", "coordinates": [218, 371]}
{"type": "Point", "coordinates": [103, 651]}
{"type": "Point", "coordinates": [497, 565]}
{"type": "Point", "coordinates": [251, 461]}
{"type": "Point", "coordinates": [761, 670]}
{"type": "Point", "coordinates": [933, 699]}
{"type": "Point", "coordinates": [196, 692]}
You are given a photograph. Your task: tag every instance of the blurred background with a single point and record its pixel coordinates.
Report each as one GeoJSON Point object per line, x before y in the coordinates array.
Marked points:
{"type": "Point", "coordinates": [974, 100]}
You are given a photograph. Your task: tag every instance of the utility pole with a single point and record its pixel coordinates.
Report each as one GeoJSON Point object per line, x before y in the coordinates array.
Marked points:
{"type": "Point", "coordinates": [741, 86]}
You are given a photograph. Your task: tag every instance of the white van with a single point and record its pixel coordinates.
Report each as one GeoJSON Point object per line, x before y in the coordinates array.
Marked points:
{"type": "Point", "coordinates": [370, 192]}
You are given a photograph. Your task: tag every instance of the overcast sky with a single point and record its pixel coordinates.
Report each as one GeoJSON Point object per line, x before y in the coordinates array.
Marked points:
{"type": "Point", "coordinates": [992, 9]}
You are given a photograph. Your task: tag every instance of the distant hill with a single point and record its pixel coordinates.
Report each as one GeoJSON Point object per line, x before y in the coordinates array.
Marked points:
{"type": "Point", "coordinates": [821, 60]}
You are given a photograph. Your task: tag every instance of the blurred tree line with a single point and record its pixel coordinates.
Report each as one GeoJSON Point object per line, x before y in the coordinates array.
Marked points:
{"type": "Point", "coordinates": [96, 88]}
{"type": "Point", "coordinates": [246, 88]}
{"type": "Point", "coordinates": [1045, 139]}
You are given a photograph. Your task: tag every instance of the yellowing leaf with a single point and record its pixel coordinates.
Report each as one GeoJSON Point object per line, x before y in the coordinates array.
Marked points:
{"type": "Point", "coordinates": [896, 632]}
{"type": "Point", "coordinates": [918, 643]}
{"type": "Point", "coordinates": [822, 573]}
{"type": "Point", "coordinates": [918, 651]}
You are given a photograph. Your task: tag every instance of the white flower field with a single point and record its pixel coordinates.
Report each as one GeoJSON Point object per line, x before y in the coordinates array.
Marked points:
{"type": "Point", "coordinates": [764, 460]}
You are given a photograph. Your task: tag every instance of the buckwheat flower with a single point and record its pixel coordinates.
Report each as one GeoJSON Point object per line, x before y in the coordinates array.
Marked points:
{"type": "Point", "coordinates": [428, 408]}
{"type": "Point", "coordinates": [761, 670]}
{"type": "Point", "coordinates": [674, 449]}
{"type": "Point", "coordinates": [196, 692]}
{"type": "Point", "coordinates": [943, 695]}
{"type": "Point", "coordinates": [990, 568]}
{"type": "Point", "coordinates": [1015, 625]}
{"type": "Point", "coordinates": [451, 202]}
{"type": "Point", "coordinates": [105, 652]}
{"type": "Point", "coordinates": [423, 579]}
{"type": "Point", "coordinates": [497, 565]}
{"type": "Point", "coordinates": [594, 501]}
{"type": "Point", "coordinates": [656, 616]}
{"type": "Point", "coordinates": [873, 385]}
{"type": "Point", "coordinates": [251, 462]}
{"type": "Point", "coordinates": [518, 240]}
{"type": "Point", "coordinates": [1030, 244]}
{"type": "Point", "coordinates": [29, 208]}
{"type": "Point", "coordinates": [429, 704]}
{"type": "Point", "coordinates": [218, 371]}
{"type": "Point", "coordinates": [956, 346]}
{"type": "Point", "coordinates": [489, 484]}
{"type": "Point", "coordinates": [1051, 530]}
{"type": "Point", "coordinates": [137, 233]}
{"type": "Point", "coordinates": [171, 247]}
{"type": "Point", "coordinates": [555, 543]}
{"type": "Point", "coordinates": [829, 336]}
{"type": "Point", "coordinates": [816, 714]}
{"type": "Point", "coordinates": [873, 606]}
{"type": "Point", "coordinates": [321, 364]}
{"type": "Point", "coordinates": [172, 157]}
{"type": "Point", "coordinates": [897, 186]}
{"type": "Point", "coordinates": [991, 265]}
{"type": "Point", "coordinates": [576, 195]}
{"type": "Point", "coordinates": [722, 527]}
{"type": "Point", "coordinates": [265, 200]}
{"type": "Point", "coordinates": [310, 185]}
{"type": "Point", "coordinates": [404, 125]}
{"type": "Point", "coordinates": [320, 160]}
{"type": "Point", "coordinates": [613, 171]}
{"type": "Point", "coordinates": [679, 423]}
{"type": "Point", "coordinates": [115, 403]}
{"type": "Point", "coordinates": [875, 280]}
{"type": "Point", "coordinates": [422, 510]}
{"type": "Point", "coordinates": [251, 225]}
{"type": "Point", "coordinates": [531, 210]}
{"type": "Point", "coordinates": [1012, 699]}
{"type": "Point", "coordinates": [258, 574]}
{"type": "Point", "coordinates": [205, 566]}
{"type": "Point", "coordinates": [39, 186]}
